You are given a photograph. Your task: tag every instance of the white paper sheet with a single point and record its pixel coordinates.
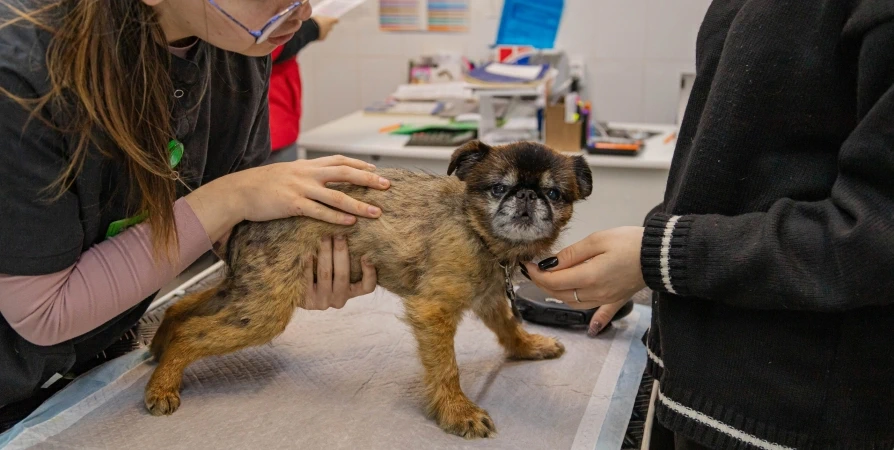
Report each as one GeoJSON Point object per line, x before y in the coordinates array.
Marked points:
{"type": "Point", "coordinates": [528, 73]}
{"type": "Point", "coordinates": [434, 91]}
{"type": "Point", "coordinates": [335, 8]}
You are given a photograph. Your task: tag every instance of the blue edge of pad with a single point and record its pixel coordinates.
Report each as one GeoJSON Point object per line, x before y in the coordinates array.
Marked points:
{"type": "Point", "coordinates": [610, 437]}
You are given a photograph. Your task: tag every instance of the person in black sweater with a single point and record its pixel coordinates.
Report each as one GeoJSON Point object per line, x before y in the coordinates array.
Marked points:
{"type": "Point", "coordinates": [772, 255]}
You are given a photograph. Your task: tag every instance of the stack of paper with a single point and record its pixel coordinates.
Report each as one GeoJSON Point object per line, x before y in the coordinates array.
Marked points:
{"type": "Point", "coordinates": [434, 91]}
{"type": "Point", "coordinates": [406, 108]}
{"type": "Point", "coordinates": [496, 75]}
{"type": "Point", "coordinates": [525, 73]}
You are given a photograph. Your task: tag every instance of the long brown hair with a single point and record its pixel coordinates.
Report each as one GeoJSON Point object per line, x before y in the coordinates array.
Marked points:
{"type": "Point", "coordinates": [109, 71]}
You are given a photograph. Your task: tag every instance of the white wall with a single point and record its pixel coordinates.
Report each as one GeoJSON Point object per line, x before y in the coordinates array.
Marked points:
{"type": "Point", "coordinates": [635, 51]}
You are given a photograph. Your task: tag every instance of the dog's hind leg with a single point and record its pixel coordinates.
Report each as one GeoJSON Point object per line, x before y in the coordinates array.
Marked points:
{"type": "Point", "coordinates": [248, 310]}
{"type": "Point", "coordinates": [172, 316]}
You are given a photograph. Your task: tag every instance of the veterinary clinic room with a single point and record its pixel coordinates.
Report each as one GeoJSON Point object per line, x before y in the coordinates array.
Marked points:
{"type": "Point", "coordinates": [446, 224]}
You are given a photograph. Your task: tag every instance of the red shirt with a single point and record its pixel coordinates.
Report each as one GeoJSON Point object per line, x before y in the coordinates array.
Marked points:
{"type": "Point", "coordinates": [285, 102]}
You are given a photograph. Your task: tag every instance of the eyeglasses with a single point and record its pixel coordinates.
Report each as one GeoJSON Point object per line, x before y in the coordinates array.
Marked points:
{"type": "Point", "coordinates": [267, 30]}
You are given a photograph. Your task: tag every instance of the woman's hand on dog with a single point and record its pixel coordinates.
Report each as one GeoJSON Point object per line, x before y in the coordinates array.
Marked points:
{"type": "Point", "coordinates": [333, 287]}
{"type": "Point", "coordinates": [604, 268]}
{"type": "Point", "coordinates": [276, 191]}
{"type": "Point", "coordinates": [298, 188]}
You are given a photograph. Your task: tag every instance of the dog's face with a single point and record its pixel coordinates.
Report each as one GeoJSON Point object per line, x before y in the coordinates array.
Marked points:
{"type": "Point", "coordinates": [521, 193]}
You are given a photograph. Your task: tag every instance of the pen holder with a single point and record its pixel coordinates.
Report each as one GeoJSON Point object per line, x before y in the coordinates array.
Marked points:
{"type": "Point", "coordinates": [560, 135]}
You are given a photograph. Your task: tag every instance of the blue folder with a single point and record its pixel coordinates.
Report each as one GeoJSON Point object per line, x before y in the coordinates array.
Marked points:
{"type": "Point", "coordinates": [530, 22]}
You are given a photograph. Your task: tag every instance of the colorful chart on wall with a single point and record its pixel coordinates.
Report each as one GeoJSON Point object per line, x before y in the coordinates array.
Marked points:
{"type": "Point", "coordinates": [445, 16]}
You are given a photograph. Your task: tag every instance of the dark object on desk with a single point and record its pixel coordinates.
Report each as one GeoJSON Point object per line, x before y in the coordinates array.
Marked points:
{"type": "Point", "coordinates": [536, 307]}
{"type": "Point", "coordinates": [638, 135]}
{"type": "Point", "coordinates": [440, 138]}
{"type": "Point", "coordinates": [614, 146]}
{"type": "Point", "coordinates": [617, 141]}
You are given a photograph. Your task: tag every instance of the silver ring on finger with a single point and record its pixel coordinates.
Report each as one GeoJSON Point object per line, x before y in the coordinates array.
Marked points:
{"type": "Point", "coordinates": [576, 298]}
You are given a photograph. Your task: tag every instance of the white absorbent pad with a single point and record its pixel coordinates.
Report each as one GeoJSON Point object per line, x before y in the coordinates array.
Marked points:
{"type": "Point", "coordinates": [351, 379]}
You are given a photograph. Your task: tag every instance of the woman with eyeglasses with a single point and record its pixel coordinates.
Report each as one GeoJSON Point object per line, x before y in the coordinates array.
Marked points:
{"type": "Point", "coordinates": [129, 137]}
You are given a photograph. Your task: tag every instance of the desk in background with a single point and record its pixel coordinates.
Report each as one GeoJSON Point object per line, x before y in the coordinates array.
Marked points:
{"type": "Point", "coordinates": [624, 188]}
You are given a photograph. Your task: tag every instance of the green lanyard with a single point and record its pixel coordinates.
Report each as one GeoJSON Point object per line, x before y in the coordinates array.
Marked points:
{"type": "Point", "coordinates": [175, 148]}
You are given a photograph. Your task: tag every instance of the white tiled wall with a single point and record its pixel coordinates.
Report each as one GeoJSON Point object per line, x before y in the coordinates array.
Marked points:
{"type": "Point", "coordinates": [635, 51]}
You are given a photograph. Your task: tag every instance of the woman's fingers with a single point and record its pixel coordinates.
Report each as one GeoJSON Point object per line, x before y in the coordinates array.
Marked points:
{"type": "Point", "coordinates": [319, 211]}
{"type": "Point", "coordinates": [567, 297]}
{"type": "Point", "coordinates": [324, 268]}
{"type": "Point", "coordinates": [339, 160]}
{"type": "Point", "coordinates": [604, 316]}
{"type": "Point", "coordinates": [341, 270]}
{"type": "Point", "coordinates": [563, 280]}
{"type": "Point", "coordinates": [341, 201]}
{"type": "Point", "coordinates": [574, 254]}
{"type": "Point", "coordinates": [346, 174]}
{"type": "Point", "coordinates": [368, 284]}
{"type": "Point", "coordinates": [311, 299]}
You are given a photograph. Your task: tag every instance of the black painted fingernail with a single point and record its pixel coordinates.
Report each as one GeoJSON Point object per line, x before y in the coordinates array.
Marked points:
{"type": "Point", "coordinates": [548, 263]}
{"type": "Point", "coordinates": [524, 271]}
{"type": "Point", "coordinates": [595, 328]}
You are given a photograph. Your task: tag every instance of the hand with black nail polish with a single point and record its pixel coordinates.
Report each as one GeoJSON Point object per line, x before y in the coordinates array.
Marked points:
{"type": "Point", "coordinates": [602, 269]}
{"type": "Point", "coordinates": [524, 271]}
{"type": "Point", "coordinates": [548, 263]}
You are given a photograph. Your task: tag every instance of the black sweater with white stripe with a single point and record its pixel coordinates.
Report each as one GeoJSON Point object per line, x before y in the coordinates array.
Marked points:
{"type": "Point", "coordinates": [772, 255]}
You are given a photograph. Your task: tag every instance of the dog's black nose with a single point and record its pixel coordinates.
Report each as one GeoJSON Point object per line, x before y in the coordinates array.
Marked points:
{"type": "Point", "coordinates": [526, 194]}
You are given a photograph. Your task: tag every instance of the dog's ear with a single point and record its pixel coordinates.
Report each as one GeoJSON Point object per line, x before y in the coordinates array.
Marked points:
{"type": "Point", "coordinates": [584, 177]}
{"type": "Point", "coordinates": [465, 157]}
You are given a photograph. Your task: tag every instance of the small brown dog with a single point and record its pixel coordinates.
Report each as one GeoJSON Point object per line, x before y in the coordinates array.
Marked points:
{"type": "Point", "coordinates": [441, 244]}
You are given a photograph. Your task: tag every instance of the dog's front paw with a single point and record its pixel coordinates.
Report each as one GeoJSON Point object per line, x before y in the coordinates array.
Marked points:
{"type": "Point", "coordinates": [162, 403]}
{"type": "Point", "coordinates": [535, 346]}
{"type": "Point", "coordinates": [466, 420]}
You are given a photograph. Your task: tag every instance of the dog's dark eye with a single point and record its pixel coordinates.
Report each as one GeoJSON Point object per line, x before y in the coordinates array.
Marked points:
{"type": "Point", "coordinates": [498, 189]}
{"type": "Point", "coordinates": [553, 194]}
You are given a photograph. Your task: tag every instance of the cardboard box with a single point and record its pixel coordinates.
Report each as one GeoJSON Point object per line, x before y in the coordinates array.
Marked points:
{"type": "Point", "coordinates": [559, 134]}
